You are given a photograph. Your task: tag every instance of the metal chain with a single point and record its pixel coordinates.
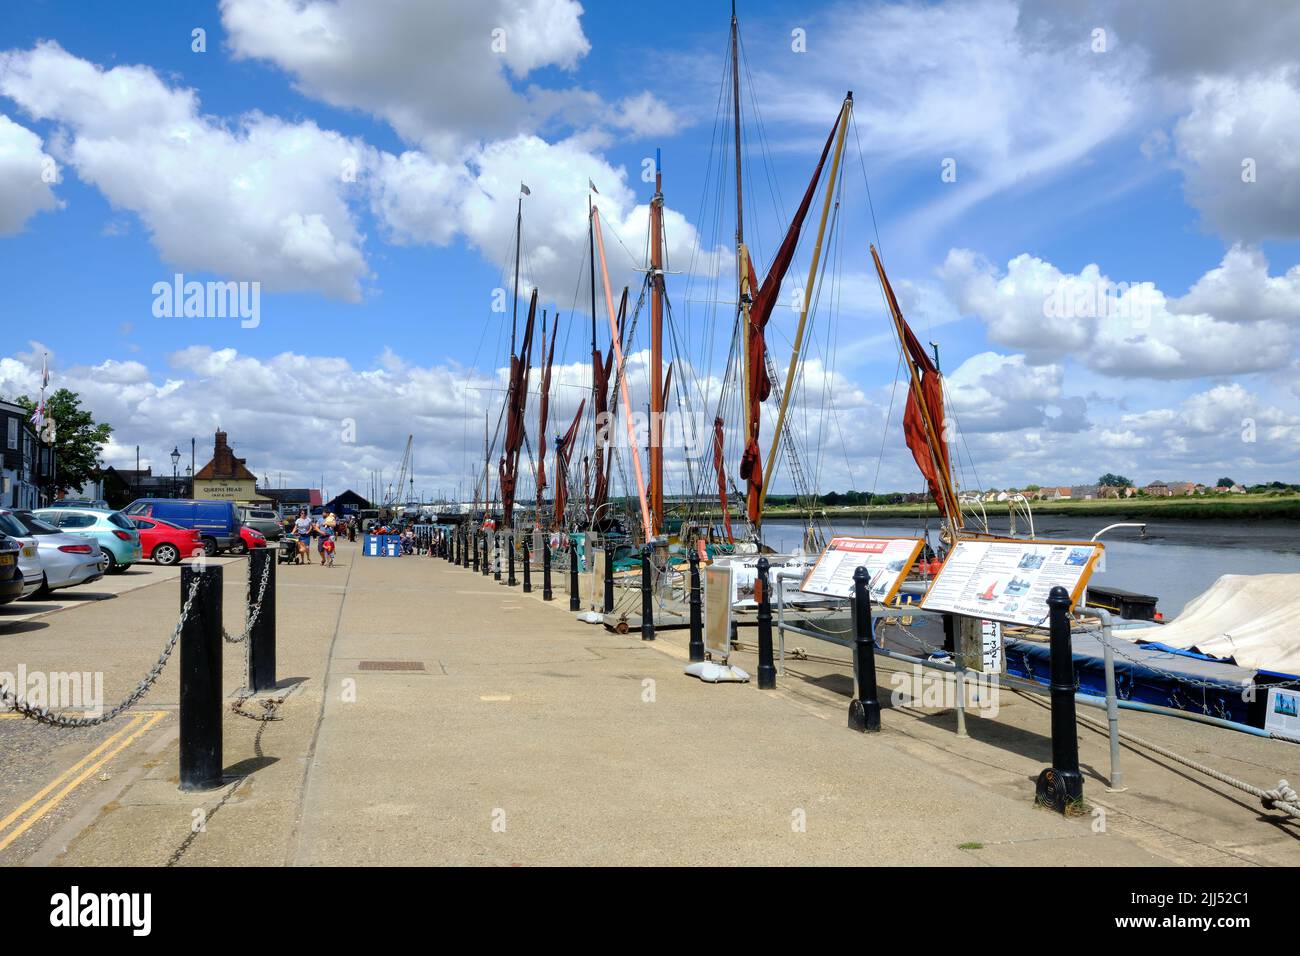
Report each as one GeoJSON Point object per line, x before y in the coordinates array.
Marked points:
{"type": "Point", "coordinates": [43, 715]}
{"type": "Point", "coordinates": [255, 610]}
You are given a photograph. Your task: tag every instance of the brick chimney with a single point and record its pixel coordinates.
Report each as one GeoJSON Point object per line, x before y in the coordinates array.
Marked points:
{"type": "Point", "coordinates": [223, 459]}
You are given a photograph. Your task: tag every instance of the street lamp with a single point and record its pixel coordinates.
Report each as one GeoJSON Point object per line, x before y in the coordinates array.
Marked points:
{"type": "Point", "coordinates": [176, 460]}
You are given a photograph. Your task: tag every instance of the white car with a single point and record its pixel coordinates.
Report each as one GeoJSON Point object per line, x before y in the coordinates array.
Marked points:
{"type": "Point", "coordinates": [57, 560]}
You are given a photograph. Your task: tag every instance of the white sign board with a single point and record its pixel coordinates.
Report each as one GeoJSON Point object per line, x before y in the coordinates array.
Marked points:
{"type": "Point", "coordinates": [717, 610]}
{"type": "Point", "coordinates": [887, 561]}
{"type": "Point", "coordinates": [1283, 713]}
{"type": "Point", "coordinates": [1009, 580]}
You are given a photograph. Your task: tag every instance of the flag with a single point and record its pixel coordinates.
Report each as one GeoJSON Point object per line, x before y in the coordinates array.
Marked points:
{"type": "Point", "coordinates": [593, 187]}
{"type": "Point", "coordinates": [524, 190]}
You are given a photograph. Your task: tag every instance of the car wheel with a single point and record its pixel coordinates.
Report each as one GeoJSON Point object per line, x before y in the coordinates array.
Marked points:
{"type": "Point", "coordinates": [166, 554]}
{"type": "Point", "coordinates": [44, 589]}
{"type": "Point", "coordinates": [113, 566]}
{"type": "Point", "coordinates": [240, 548]}
{"type": "Point", "coordinates": [210, 547]}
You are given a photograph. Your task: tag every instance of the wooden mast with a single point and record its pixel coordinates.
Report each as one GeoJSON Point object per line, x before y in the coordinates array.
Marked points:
{"type": "Point", "coordinates": [622, 379]}
{"type": "Point", "coordinates": [807, 298]}
{"type": "Point", "coordinates": [656, 354]}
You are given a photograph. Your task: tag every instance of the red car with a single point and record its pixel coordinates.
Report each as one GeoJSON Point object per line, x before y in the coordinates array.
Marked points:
{"type": "Point", "coordinates": [165, 542]}
{"type": "Point", "coordinates": [249, 539]}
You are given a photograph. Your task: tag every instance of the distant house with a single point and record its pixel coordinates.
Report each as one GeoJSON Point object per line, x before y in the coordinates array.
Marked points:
{"type": "Point", "coordinates": [1109, 491]}
{"type": "Point", "coordinates": [347, 503]}
{"type": "Point", "coordinates": [292, 499]}
{"type": "Point", "coordinates": [1181, 489]}
{"type": "Point", "coordinates": [1157, 489]}
{"type": "Point", "coordinates": [25, 461]}
{"type": "Point", "coordinates": [1237, 490]}
{"type": "Point", "coordinates": [1084, 492]}
{"type": "Point", "coordinates": [1057, 494]}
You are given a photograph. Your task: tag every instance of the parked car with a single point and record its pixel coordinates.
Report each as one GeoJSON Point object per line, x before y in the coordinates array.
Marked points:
{"type": "Point", "coordinates": [29, 560]}
{"type": "Point", "coordinates": [62, 560]}
{"type": "Point", "coordinates": [117, 537]}
{"type": "Point", "coordinates": [249, 538]}
{"type": "Point", "coordinates": [265, 520]}
{"type": "Point", "coordinates": [216, 521]}
{"type": "Point", "coordinates": [80, 503]}
{"type": "Point", "coordinates": [11, 579]}
{"type": "Point", "coordinates": [166, 543]}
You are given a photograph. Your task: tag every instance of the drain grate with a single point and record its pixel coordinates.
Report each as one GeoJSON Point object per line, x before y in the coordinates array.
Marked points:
{"type": "Point", "coordinates": [391, 666]}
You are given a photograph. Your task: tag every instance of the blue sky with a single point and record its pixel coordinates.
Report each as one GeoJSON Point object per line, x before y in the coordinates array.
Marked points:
{"type": "Point", "coordinates": [376, 292]}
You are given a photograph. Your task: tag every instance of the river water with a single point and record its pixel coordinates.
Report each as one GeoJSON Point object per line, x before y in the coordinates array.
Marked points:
{"type": "Point", "coordinates": [1175, 562]}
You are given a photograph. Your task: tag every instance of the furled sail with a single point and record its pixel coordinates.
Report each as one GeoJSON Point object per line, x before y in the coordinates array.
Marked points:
{"type": "Point", "coordinates": [516, 400]}
{"type": "Point", "coordinates": [563, 454]}
{"type": "Point", "coordinates": [759, 386]}
{"type": "Point", "coordinates": [545, 404]}
{"type": "Point", "coordinates": [720, 467]}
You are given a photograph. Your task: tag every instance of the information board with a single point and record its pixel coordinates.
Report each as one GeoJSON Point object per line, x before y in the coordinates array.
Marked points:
{"type": "Point", "coordinates": [1283, 711]}
{"type": "Point", "coordinates": [887, 561]}
{"type": "Point", "coordinates": [1008, 580]}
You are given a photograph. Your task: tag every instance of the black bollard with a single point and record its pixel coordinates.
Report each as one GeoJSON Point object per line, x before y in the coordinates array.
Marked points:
{"type": "Point", "coordinates": [486, 564]}
{"type": "Point", "coordinates": [476, 554]}
{"type": "Point", "coordinates": [261, 638]}
{"type": "Point", "coordinates": [697, 609]}
{"type": "Point", "coordinates": [647, 598]}
{"type": "Point", "coordinates": [510, 559]}
{"type": "Point", "coordinates": [546, 569]}
{"type": "Point", "coordinates": [528, 578]}
{"type": "Point", "coordinates": [464, 550]}
{"type": "Point", "coordinates": [200, 706]}
{"type": "Point", "coordinates": [1061, 785]}
{"type": "Point", "coordinates": [766, 667]}
{"type": "Point", "coordinates": [575, 604]}
{"type": "Point", "coordinates": [864, 709]}
{"type": "Point", "coordinates": [609, 578]}
{"type": "Point", "coordinates": [496, 556]}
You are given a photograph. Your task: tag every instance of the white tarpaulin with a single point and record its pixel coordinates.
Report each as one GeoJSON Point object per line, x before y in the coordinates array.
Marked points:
{"type": "Point", "coordinates": [1252, 618]}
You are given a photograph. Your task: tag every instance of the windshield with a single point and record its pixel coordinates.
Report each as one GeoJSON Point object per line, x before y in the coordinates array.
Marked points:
{"type": "Point", "coordinates": [35, 525]}
{"type": "Point", "coordinates": [11, 525]}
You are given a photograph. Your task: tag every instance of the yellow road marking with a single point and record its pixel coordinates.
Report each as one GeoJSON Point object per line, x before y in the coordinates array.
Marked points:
{"type": "Point", "coordinates": [87, 766]}
{"type": "Point", "coordinates": [494, 698]}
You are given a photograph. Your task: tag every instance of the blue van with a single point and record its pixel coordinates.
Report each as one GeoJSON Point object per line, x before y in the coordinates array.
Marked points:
{"type": "Point", "coordinates": [217, 521]}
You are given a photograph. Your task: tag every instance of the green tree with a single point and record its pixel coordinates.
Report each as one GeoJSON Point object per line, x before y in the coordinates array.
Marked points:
{"type": "Point", "coordinates": [1225, 483]}
{"type": "Point", "coordinates": [1114, 481]}
{"type": "Point", "coordinates": [78, 438]}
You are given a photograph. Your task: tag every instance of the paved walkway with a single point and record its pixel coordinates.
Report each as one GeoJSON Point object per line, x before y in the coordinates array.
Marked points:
{"type": "Point", "coordinates": [517, 735]}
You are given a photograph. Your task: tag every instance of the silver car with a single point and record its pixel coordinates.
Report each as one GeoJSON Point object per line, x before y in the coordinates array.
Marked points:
{"type": "Point", "coordinates": [265, 520]}
{"type": "Point", "coordinates": [64, 560]}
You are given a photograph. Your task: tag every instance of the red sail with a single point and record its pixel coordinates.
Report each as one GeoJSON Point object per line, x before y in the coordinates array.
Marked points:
{"type": "Point", "coordinates": [545, 406]}
{"type": "Point", "coordinates": [764, 301]}
{"type": "Point", "coordinates": [914, 431]}
{"type": "Point", "coordinates": [563, 453]}
{"type": "Point", "coordinates": [721, 469]}
{"type": "Point", "coordinates": [516, 400]}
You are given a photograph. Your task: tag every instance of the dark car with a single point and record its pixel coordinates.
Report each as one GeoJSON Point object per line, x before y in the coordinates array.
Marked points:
{"type": "Point", "coordinates": [216, 521]}
{"type": "Point", "coordinates": [11, 578]}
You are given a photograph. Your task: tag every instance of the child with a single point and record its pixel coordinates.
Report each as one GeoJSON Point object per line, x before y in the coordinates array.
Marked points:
{"type": "Point", "coordinates": [327, 549]}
